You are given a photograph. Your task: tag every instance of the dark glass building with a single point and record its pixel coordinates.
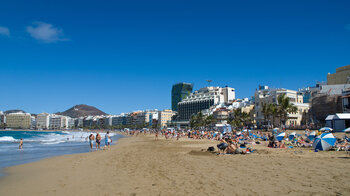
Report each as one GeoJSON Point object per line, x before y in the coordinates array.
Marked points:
{"type": "Point", "coordinates": [179, 92]}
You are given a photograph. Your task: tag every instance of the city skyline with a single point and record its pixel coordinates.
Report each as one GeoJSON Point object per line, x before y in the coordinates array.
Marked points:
{"type": "Point", "coordinates": [125, 56]}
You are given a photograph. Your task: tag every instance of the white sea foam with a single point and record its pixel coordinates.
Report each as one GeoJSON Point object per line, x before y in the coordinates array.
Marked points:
{"type": "Point", "coordinates": [7, 139]}
{"type": "Point", "coordinates": [56, 138]}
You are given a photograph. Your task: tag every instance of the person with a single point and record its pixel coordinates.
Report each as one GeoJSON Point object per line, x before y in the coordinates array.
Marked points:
{"type": "Point", "coordinates": [91, 140]}
{"type": "Point", "coordinates": [232, 147]}
{"type": "Point", "coordinates": [272, 141]}
{"type": "Point", "coordinates": [222, 146]}
{"type": "Point", "coordinates": [98, 140]}
{"type": "Point", "coordinates": [108, 139]}
{"type": "Point", "coordinates": [156, 135]}
{"type": "Point", "coordinates": [20, 143]}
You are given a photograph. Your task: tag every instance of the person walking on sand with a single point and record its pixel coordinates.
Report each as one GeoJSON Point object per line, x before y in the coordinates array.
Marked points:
{"type": "Point", "coordinates": [108, 140]}
{"type": "Point", "coordinates": [156, 135]}
{"type": "Point", "coordinates": [91, 140]}
{"type": "Point", "coordinates": [20, 143]}
{"type": "Point", "coordinates": [98, 140]}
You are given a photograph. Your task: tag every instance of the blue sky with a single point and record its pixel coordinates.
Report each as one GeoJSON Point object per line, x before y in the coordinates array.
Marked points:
{"type": "Point", "coordinates": [122, 56]}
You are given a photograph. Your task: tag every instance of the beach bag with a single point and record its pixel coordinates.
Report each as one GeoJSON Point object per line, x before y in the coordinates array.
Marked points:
{"type": "Point", "coordinates": [211, 149]}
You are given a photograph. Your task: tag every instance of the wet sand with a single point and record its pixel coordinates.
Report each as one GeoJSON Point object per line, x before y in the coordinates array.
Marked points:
{"type": "Point", "coordinates": [142, 166]}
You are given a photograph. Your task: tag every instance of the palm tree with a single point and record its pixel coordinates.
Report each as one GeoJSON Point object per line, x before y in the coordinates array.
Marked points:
{"type": "Point", "coordinates": [274, 113]}
{"type": "Point", "coordinates": [266, 112]}
{"type": "Point", "coordinates": [197, 120]}
{"type": "Point", "coordinates": [240, 119]}
{"type": "Point", "coordinates": [284, 108]}
{"type": "Point", "coordinates": [209, 120]}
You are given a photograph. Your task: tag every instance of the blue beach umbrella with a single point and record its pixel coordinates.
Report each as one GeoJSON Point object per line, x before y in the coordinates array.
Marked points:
{"type": "Point", "coordinates": [324, 142]}
{"type": "Point", "coordinates": [280, 136]}
{"type": "Point", "coordinates": [312, 135]}
{"type": "Point", "coordinates": [275, 130]}
{"type": "Point", "coordinates": [245, 130]}
{"type": "Point", "coordinates": [291, 136]}
{"type": "Point", "coordinates": [323, 129]}
{"type": "Point", "coordinates": [239, 133]}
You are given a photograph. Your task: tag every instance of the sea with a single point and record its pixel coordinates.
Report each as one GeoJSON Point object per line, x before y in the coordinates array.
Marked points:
{"type": "Point", "coordinates": [38, 145]}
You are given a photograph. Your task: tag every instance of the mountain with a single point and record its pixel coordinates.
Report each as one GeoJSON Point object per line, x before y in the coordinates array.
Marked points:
{"type": "Point", "coordinates": [81, 111]}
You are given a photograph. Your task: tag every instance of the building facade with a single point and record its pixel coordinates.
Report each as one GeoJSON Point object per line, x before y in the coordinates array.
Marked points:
{"type": "Point", "coordinates": [179, 92]}
{"type": "Point", "coordinates": [18, 120]}
{"type": "Point", "coordinates": [42, 121]}
{"type": "Point", "coordinates": [203, 99]}
{"type": "Point", "coordinates": [55, 122]}
{"type": "Point", "coordinates": [2, 119]}
{"type": "Point", "coordinates": [341, 76]}
{"type": "Point", "coordinates": [164, 117]}
{"type": "Point", "coordinates": [264, 95]}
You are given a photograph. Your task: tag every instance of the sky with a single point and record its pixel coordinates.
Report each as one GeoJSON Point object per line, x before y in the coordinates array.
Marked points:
{"type": "Point", "coordinates": [121, 56]}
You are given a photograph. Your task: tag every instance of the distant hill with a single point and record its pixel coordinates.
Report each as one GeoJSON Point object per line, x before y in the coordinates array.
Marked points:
{"type": "Point", "coordinates": [81, 111]}
{"type": "Point", "coordinates": [13, 111]}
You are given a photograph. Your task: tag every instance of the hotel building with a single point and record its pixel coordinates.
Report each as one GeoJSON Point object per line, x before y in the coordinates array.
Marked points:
{"type": "Point", "coordinates": [202, 100]}
{"type": "Point", "coordinates": [42, 121]}
{"type": "Point", "coordinates": [18, 120]}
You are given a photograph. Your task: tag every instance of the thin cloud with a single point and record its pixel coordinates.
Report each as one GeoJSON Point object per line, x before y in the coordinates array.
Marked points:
{"type": "Point", "coordinates": [347, 27]}
{"type": "Point", "coordinates": [4, 31]}
{"type": "Point", "coordinates": [46, 32]}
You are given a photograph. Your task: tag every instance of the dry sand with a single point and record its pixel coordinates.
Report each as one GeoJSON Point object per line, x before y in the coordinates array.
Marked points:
{"type": "Point", "coordinates": [142, 166]}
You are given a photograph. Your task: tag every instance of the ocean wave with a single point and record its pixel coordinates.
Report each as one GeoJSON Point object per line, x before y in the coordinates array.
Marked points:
{"type": "Point", "coordinates": [53, 137]}
{"type": "Point", "coordinates": [7, 139]}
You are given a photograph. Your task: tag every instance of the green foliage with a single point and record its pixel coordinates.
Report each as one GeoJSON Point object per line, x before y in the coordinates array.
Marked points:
{"type": "Point", "coordinates": [280, 110]}
{"type": "Point", "coordinates": [240, 119]}
{"type": "Point", "coordinates": [199, 120]}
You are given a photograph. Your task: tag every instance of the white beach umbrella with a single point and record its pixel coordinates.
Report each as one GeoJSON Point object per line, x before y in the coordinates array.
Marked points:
{"type": "Point", "coordinates": [347, 130]}
{"type": "Point", "coordinates": [324, 142]}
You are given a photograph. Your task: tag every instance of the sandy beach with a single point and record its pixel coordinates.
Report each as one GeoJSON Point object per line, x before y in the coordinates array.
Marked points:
{"type": "Point", "coordinates": [141, 166]}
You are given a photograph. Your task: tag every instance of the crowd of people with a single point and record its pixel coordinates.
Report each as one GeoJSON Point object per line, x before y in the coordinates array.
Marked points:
{"type": "Point", "coordinates": [241, 142]}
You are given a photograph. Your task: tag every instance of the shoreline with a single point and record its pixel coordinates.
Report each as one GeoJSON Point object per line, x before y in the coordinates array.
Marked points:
{"type": "Point", "coordinates": [37, 151]}
{"type": "Point", "coordinates": [141, 166]}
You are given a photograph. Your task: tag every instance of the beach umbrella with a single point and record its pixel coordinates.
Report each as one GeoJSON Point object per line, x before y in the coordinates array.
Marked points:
{"type": "Point", "coordinates": [324, 142]}
{"type": "Point", "coordinates": [323, 129]}
{"type": "Point", "coordinates": [312, 135]}
{"type": "Point", "coordinates": [280, 136]}
{"type": "Point", "coordinates": [275, 130]}
{"type": "Point", "coordinates": [245, 130]}
{"type": "Point", "coordinates": [347, 130]}
{"type": "Point", "coordinates": [239, 133]}
{"type": "Point", "coordinates": [291, 136]}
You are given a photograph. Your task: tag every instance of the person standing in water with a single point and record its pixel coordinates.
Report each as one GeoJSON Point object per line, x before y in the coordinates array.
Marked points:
{"type": "Point", "coordinates": [91, 140]}
{"type": "Point", "coordinates": [98, 140]}
{"type": "Point", "coordinates": [20, 143]}
{"type": "Point", "coordinates": [108, 139]}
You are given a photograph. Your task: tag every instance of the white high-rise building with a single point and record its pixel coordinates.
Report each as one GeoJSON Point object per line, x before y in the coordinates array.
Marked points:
{"type": "Point", "coordinates": [203, 99]}
{"type": "Point", "coordinates": [42, 121]}
{"type": "Point", "coordinates": [55, 122]}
